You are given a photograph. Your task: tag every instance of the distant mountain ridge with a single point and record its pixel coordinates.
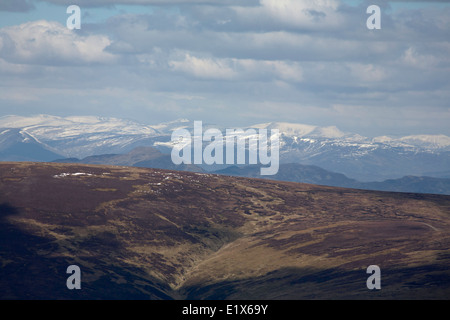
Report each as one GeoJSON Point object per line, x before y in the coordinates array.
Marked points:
{"type": "Point", "coordinates": [358, 157]}
{"type": "Point", "coordinates": [295, 172]}
{"type": "Point", "coordinates": [148, 157]}
{"type": "Point", "coordinates": [145, 157]}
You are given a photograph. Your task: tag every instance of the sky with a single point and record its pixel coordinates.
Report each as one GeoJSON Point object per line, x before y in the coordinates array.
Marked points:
{"type": "Point", "coordinates": [232, 63]}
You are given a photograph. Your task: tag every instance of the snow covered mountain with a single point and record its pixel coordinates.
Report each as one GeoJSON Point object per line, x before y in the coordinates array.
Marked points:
{"type": "Point", "coordinates": [302, 130]}
{"type": "Point", "coordinates": [17, 145]}
{"type": "Point", "coordinates": [358, 157]}
{"type": "Point", "coordinates": [367, 159]}
{"type": "Point", "coordinates": [82, 136]}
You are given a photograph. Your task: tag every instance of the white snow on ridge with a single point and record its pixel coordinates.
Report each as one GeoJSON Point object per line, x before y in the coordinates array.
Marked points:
{"type": "Point", "coordinates": [290, 129]}
{"type": "Point", "coordinates": [18, 122]}
{"type": "Point", "coordinates": [50, 127]}
{"type": "Point", "coordinates": [171, 125]}
{"type": "Point", "coordinates": [428, 142]}
{"type": "Point", "coordinates": [438, 141]}
{"type": "Point", "coordinates": [84, 119]}
{"type": "Point", "coordinates": [81, 136]}
{"type": "Point", "coordinates": [383, 139]}
{"type": "Point", "coordinates": [328, 132]}
{"type": "Point", "coordinates": [302, 130]}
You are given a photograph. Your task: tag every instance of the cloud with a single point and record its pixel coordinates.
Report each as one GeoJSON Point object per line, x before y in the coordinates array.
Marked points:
{"type": "Point", "coordinates": [140, 34]}
{"type": "Point", "coordinates": [16, 5]}
{"type": "Point", "coordinates": [50, 43]}
{"type": "Point", "coordinates": [300, 13]}
{"type": "Point", "coordinates": [368, 72]}
{"type": "Point", "coordinates": [271, 70]}
{"type": "Point", "coordinates": [99, 3]}
{"type": "Point", "coordinates": [444, 1]}
{"type": "Point", "coordinates": [204, 68]}
{"type": "Point", "coordinates": [412, 58]}
{"type": "Point", "coordinates": [286, 60]}
{"type": "Point", "coordinates": [237, 69]}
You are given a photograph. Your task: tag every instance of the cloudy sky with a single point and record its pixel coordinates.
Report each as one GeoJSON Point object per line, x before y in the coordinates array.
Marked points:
{"type": "Point", "coordinates": [230, 62]}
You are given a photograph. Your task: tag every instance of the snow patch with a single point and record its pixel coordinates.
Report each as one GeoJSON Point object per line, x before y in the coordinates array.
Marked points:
{"type": "Point", "coordinates": [65, 174]}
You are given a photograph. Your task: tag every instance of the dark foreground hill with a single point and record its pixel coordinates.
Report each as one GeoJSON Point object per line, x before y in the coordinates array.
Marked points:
{"type": "Point", "coordinates": [141, 233]}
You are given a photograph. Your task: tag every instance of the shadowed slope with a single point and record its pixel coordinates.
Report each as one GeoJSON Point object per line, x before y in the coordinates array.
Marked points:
{"type": "Point", "coordinates": [157, 234]}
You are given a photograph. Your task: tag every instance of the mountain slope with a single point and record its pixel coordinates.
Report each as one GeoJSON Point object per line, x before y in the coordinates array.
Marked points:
{"type": "Point", "coordinates": [16, 145]}
{"type": "Point", "coordinates": [141, 233]}
{"type": "Point", "coordinates": [411, 184]}
{"type": "Point", "coordinates": [83, 136]}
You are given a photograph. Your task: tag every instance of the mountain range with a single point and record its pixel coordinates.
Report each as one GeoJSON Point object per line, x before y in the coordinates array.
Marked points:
{"type": "Point", "coordinates": [45, 138]}
{"type": "Point", "coordinates": [296, 172]}
{"type": "Point", "coordinates": [146, 157]}
{"type": "Point", "coordinates": [149, 157]}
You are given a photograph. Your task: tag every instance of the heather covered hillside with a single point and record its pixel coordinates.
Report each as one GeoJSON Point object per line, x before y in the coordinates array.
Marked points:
{"type": "Point", "coordinates": [140, 233]}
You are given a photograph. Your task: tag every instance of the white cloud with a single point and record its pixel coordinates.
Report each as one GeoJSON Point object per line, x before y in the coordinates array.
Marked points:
{"type": "Point", "coordinates": [270, 70]}
{"type": "Point", "coordinates": [205, 68]}
{"type": "Point", "coordinates": [238, 69]}
{"type": "Point", "coordinates": [367, 72]}
{"type": "Point", "coordinates": [92, 3]}
{"type": "Point", "coordinates": [49, 43]}
{"type": "Point", "coordinates": [294, 11]}
{"type": "Point", "coordinates": [412, 58]}
{"type": "Point", "coordinates": [320, 14]}
{"type": "Point", "coordinates": [13, 69]}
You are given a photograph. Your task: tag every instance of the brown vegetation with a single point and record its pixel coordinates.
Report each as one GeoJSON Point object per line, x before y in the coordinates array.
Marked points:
{"type": "Point", "coordinates": [156, 234]}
